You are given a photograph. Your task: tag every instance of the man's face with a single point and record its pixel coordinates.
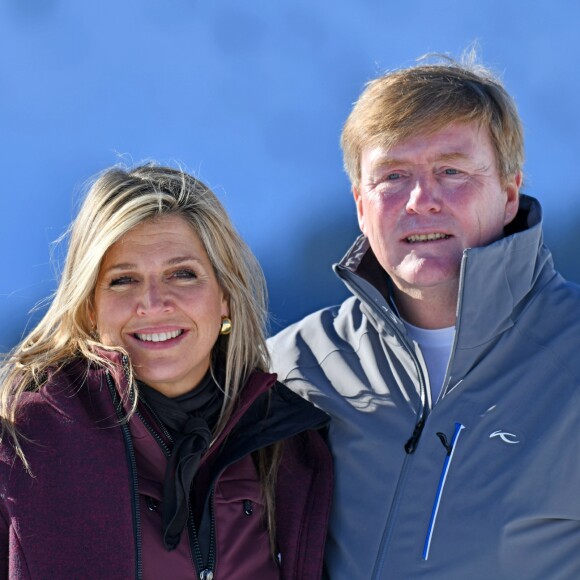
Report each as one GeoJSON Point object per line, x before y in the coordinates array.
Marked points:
{"type": "Point", "coordinates": [429, 197]}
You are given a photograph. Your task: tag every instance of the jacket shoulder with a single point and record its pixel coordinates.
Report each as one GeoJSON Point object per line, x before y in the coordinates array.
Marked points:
{"type": "Point", "coordinates": [551, 323]}
{"type": "Point", "coordinates": [72, 394]}
{"type": "Point", "coordinates": [308, 342]}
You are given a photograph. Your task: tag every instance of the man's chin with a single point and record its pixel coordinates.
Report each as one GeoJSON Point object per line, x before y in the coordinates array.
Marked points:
{"type": "Point", "coordinates": [427, 275]}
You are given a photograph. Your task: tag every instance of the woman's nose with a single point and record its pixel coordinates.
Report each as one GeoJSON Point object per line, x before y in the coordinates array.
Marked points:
{"type": "Point", "coordinates": [154, 299]}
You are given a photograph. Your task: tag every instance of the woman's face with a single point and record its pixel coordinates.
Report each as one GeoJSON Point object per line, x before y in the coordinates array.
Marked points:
{"type": "Point", "coordinates": [157, 296]}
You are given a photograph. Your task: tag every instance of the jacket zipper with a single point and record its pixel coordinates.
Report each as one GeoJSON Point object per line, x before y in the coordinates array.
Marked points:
{"type": "Point", "coordinates": [443, 478]}
{"type": "Point", "coordinates": [411, 444]}
{"type": "Point", "coordinates": [413, 441]}
{"type": "Point", "coordinates": [205, 571]}
{"type": "Point", "coordinates": [132, 474]}
{"type": "Point", "coordinates": [443, 391]}
{"type": "Point", "coordinates": [388, 530]}
{"type": "Point", "coordinates": [156, 436]}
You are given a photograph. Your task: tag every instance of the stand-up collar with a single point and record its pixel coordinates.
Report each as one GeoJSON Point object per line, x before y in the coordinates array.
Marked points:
{"type": "Point", "coordinates": [496, 279]}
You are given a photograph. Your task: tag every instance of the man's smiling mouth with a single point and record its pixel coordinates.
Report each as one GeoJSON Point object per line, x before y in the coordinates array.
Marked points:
{"type": "Point", "coordinates": [426, 237]}
{"type": "Point", "coordinates": [158, 337]}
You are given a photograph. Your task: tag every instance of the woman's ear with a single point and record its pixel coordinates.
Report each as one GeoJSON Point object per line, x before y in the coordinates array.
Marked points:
{"type": "Point", "coordinates": [225, 305]}
{"type": "Point", "coordinates": [91, 315]}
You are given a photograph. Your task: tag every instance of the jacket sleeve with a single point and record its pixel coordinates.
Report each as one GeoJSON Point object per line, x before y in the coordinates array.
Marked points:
{"type": "Point", "coordinates": [303, 499]}
{"type": "Point", "coordinates": [4, 543]}
{"type": "Point", "coordinates": [11, 565]}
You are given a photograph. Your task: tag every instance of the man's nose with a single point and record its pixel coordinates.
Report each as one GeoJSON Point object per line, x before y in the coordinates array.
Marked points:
{"type": "Point", "coordinates": [424, 196]}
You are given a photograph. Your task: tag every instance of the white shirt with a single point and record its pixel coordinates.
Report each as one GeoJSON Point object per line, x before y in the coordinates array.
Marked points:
{"type": "Point", "coordinates": [436, 348]}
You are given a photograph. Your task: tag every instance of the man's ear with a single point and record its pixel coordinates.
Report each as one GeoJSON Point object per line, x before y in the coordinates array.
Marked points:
{"type": "Point", "coordinates": [359, 208]}
{"type": "Point", "coordinates": [512, 190]}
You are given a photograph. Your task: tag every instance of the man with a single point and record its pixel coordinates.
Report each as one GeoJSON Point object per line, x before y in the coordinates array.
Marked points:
{"type": "Point", "coordinates": [452, 374]}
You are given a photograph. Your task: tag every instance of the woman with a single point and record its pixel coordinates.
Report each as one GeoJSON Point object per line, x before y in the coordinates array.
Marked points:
{"type": "Point", "coordinates": [142, 436]}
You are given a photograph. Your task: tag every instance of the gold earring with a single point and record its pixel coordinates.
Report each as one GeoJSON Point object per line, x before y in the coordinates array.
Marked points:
{"type": "Point", "coordinates": [226, 326]}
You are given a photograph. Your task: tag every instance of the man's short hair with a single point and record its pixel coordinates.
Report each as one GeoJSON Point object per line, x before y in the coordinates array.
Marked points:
{"type": "Point", "coordinates": [425, 98]}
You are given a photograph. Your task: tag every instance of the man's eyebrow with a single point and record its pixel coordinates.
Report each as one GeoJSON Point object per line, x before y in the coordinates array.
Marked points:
{"type": "Point", "coordinates": [386, 160]}
{"type": "Point", "coordinates": [444, 156]}
{"type": "Point", "coordinates": [452, 156]}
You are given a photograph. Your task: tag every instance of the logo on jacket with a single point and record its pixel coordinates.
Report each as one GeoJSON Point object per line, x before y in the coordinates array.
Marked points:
{"type": "Point", "coordinates": [506, 437]}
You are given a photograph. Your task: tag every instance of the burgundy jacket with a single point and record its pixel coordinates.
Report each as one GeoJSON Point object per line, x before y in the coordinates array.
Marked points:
{"type": "Point", "coordinates": [85, 512]}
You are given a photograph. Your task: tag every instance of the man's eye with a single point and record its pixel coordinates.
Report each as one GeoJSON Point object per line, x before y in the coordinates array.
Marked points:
{"type": "Point", "coordinates": [393, 176]}
{"type": "Point", "coordinates": [451, 171]}
{"type": "Point", "coordinates": [121, 280]}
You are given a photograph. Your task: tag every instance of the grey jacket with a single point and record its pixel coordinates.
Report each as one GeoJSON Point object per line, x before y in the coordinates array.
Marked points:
{"type": "Point", "coordinates": [486, 483]}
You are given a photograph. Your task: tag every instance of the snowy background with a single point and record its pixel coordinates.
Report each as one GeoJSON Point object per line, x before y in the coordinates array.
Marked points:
{"type": "Point", "coordinates": [250, 96]}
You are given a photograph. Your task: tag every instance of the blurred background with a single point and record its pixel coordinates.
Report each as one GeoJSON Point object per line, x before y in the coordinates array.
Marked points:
{"type": "Point", "coordinates": [251, 97]}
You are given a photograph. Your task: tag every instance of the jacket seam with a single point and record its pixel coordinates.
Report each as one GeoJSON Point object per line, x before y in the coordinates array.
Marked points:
{"type": "Point", "coordinates": [558, 361]}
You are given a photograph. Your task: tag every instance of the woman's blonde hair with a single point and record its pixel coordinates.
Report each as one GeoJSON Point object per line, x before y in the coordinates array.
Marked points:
{"type": "Point", "coordinates": [117, 201]}
{"type": "Point", "coordinates": [425, 98]}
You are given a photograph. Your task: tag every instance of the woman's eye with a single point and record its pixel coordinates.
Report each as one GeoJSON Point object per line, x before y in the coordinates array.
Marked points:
{"type": "Point", "coordinates": [184, 275]}
{"type": "Point", "coordinates": [121, 281]}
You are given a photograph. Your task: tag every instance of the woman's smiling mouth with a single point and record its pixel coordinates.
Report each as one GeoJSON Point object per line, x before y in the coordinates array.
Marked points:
{"type": "Point", "coordinates": [158, 337]}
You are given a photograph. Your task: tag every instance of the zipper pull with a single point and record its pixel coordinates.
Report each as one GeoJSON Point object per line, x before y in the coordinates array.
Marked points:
{"type": "Point", "coordinates": [248, 507]}
{"type": "Point", "coordinates": [443, 439]}
{"type": "Point", "coordinates": [206, 575]}
{"type": "Point", "coordinates": [411, 445]}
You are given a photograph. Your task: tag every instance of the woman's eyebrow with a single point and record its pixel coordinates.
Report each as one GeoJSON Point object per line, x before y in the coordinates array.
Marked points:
{"type": "Point", "coordinates": [181, 260]}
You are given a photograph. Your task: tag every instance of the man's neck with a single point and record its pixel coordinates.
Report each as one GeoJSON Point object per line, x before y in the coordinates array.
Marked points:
{"type": "Point", "coordinates": [429, 308]}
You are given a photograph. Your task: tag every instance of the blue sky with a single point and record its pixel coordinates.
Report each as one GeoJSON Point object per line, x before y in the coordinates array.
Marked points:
{"type": "Point", "coordinates": [250, 97]}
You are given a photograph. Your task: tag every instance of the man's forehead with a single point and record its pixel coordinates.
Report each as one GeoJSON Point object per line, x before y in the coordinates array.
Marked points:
{"type": "Point", "coordinates": [454, 141]}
